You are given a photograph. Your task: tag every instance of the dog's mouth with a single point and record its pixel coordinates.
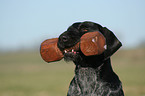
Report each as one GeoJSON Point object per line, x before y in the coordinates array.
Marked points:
{"type": "Point", "coordinates": [74, 49]}
{"type": "Point", "coordinates": [70, 54]}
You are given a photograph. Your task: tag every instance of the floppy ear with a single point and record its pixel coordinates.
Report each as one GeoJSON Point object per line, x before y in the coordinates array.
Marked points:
{"type": "Point", "coordinates": [113, 44]}
{"type": "Point", "coordinates": [49, 50]}
{"type": "Point", "coordinates": [92, 43]}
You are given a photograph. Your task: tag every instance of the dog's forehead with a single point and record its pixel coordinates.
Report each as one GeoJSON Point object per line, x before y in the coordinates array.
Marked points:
{"type": "Point", "coordinates": [88, 24]}
{"type": "Point", "coordinates": [76, 25]}
{"type": "Point", "coordinates": [80, 25]}
{"type": "Point", "coordinates": [76, 28]}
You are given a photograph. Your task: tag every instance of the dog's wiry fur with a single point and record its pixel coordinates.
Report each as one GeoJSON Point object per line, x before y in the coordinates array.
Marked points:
{"type": "Point", "coordinates": [93, 74]}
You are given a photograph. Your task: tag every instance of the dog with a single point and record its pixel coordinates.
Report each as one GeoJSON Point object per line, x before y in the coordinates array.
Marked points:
{"type": "Point", "coordinates": [94, 75]}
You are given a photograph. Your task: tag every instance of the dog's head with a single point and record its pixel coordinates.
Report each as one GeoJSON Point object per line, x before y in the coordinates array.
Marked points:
{"type": "Point", "coordinates": [74, 42]}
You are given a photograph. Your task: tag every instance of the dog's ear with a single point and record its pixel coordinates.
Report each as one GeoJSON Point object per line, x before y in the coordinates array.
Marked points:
{"type": "Point", "coordinates": [113, 44]}
{"type": "Point", "coordinates": [92, 43]}
{"type": "Point", "coordinates": [49, 50]}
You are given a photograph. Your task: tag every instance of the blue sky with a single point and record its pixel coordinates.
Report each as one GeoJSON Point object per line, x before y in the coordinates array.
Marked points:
{"type": "Point", "coordinates": [25, 24]}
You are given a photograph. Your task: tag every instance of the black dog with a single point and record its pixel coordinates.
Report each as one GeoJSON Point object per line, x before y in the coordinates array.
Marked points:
{"type": "Point", "coordinates": [93, 74]}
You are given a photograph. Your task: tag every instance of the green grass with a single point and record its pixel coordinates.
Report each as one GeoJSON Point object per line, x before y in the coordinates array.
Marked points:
{"type": "Point", "coordinates": [131, 70]}
{"type": "Point", "coordinates": [26, 74]}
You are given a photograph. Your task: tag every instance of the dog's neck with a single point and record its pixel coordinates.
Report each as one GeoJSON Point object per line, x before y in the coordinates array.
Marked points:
{"type": "Point", "coordinates": [89, 61]}
{"type": "Point", "coordinates": [103, 71]}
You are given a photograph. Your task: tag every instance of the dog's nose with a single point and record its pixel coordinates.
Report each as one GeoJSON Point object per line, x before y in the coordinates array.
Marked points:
{"type": "Point", "coordinates": [64, 38]}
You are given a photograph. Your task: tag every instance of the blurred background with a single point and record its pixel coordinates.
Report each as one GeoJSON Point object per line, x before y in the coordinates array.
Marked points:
{"type": "Point", "coordinates": [24, 24]}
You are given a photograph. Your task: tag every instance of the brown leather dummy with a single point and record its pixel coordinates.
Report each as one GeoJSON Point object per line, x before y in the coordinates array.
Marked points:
{"type": "Point", "coordinates": [91, 43]}
{"type": "Point", "coordinates": [49, 50]}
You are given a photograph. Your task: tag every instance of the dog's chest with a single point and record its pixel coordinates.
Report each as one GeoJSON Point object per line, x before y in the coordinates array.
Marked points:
{"type": "Point", "coordinates": [87, 75]}
{"type": "Point", "coordinates": [88, 81]}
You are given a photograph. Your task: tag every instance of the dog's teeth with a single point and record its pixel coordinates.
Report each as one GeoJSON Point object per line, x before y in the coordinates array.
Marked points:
{"type": "Point", "coordinates": [72, 50]}
{"type": "Point", "coordinates": [65, 51]}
